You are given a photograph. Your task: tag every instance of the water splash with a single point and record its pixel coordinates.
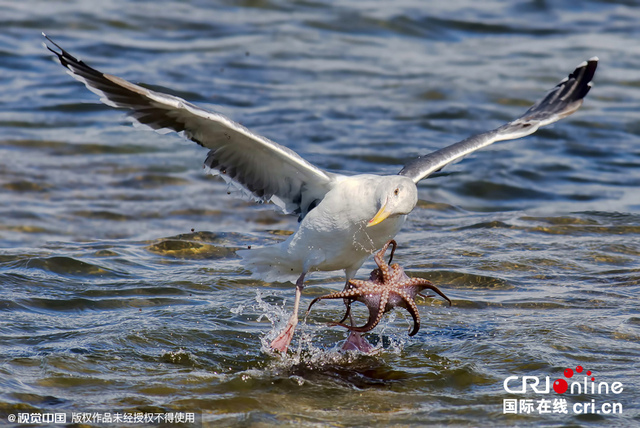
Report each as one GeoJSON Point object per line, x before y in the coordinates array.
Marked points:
{"type": "Point", "coordinates": [307, 346]}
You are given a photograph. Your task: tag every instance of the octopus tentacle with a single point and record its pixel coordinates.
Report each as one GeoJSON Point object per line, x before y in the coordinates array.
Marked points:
{"type": "Point", "coordinates": [370, 325]}
{"type": "Point", "coordinates": [428, 284]}
{"type": "Point", "coordinates": [352, 293]}
{"type": "Point", "coordinates": [348, 303]}
{"type": "Point", "coordinates": [384, 298]}
{"type": "Point", "coordinates": [384, 267]}
{"type": "Point", "coordinates": [394, 245]}
{"type": "Point", "coordinates": [413, 310]}
{"type": "Point", "coordinates": [397, 273]}
{"type": "Point", "coordinates": [374, 317]}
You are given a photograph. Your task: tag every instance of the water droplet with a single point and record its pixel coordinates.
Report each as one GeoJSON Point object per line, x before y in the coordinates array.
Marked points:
{"type": "Point", "coordinates": [568, 373]}
{"type": "Point", "coordinates": [560, 386]}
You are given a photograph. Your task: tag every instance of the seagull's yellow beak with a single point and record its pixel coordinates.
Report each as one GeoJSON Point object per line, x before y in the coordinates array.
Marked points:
{"type": "Point", "coordinates": [380, 216]}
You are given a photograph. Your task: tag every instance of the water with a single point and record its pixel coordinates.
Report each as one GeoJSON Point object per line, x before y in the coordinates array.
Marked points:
{"type": "Point", "coordinates": [121, 290]}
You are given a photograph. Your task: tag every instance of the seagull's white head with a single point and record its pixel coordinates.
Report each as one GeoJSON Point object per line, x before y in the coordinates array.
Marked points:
{"type": "Point", "coordinates": [396, 195]}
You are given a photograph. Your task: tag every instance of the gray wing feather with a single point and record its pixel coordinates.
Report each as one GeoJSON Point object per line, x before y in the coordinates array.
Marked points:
{"type": "Point", "coordinates": [261, 168]}
{"type": "Point", "coordinates": [563, 100]}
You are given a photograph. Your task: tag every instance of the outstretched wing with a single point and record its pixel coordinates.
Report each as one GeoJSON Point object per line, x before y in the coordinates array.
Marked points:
{"type": "Point", "coordinates": [263, 169]}
{"type": "Point", "coordinates": [561, 101]}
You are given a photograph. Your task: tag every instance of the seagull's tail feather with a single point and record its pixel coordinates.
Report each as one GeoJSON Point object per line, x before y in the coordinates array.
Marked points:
{"type": "Point", "coordinates": [271, 264]}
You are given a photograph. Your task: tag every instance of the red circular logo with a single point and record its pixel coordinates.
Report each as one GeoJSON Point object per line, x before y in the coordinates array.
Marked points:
{"type": "Point", "coordinates": [560, 386]}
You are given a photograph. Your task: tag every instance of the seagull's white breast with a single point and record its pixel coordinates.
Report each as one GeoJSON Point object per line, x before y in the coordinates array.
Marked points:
{"type": "Point", "coordinates": [334, 235]}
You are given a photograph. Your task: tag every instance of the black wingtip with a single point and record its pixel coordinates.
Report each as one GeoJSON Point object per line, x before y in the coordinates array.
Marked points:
{"type": "Point", "coordinates": [73, 64]}
{"type": "Point", "coordinates": [582, 76]}
{"type": "Point", "coordinates": [588, 68]}
{"type": "Point", "coordinates": [59, 54]}
{"type": "Point", "coordinates": [63, 56]}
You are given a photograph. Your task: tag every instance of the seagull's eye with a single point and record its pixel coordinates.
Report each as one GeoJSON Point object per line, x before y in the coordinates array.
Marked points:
{"type": "Point", "coordinates": [395, 192]}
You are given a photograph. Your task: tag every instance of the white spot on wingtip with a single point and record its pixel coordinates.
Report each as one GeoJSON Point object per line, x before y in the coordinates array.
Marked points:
{"type": "Point", "coordinates": [594, 58]}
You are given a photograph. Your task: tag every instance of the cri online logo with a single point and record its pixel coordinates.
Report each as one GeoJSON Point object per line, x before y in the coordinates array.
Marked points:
{"type": "Point", "coordinates": [560, 386]}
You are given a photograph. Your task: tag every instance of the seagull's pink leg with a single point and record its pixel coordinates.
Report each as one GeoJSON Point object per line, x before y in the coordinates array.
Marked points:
{"type": "Point", "coordinates": [355, 342]}
{"type": "Point", "coordinates": [281, 343]}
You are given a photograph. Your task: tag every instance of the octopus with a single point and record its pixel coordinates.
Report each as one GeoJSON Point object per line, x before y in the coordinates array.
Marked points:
{"type": "Point", "coordinates": [387, 287]}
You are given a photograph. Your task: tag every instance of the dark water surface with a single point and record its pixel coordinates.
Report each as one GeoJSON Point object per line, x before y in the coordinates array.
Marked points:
{"type": "Point", "coordinates": [120, 287]}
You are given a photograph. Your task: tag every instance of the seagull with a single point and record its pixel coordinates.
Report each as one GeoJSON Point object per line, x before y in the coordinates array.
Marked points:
{"type": "Point", "coordinates": [343, 219]}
